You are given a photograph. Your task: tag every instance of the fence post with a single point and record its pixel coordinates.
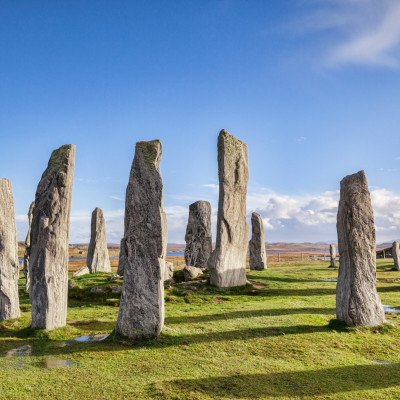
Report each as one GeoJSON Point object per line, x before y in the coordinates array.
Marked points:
{"type": "Point", "coordinates": [279, 257]}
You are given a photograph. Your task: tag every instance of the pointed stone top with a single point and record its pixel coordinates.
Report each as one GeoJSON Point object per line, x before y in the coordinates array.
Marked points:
{"type": "Point", "coordinates": [97, 210]}
{"type": "Point", "coordinates": [225, 135]}
{"type": "Point", "coordinates": [255, 215]}
{"type": "Point", "coordinates": [359, 176]}
{"type": "Point", "coordinates": [61, 158]}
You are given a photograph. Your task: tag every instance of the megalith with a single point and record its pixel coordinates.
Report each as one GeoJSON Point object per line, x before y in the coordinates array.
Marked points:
{"type": "Point", "coordinates": [227, 263]}
{"type": "Point", "coordinates": [141, 311]}
{"type": "Point", "coordinates": [9, 268]}
{"type": "Point", "coordinates": [357, 301]}
{"type": "Point", "coordinates": [28, 246]}
{"type": "Point", "coordinates": [332, 252]}
{"type": "Point", "coordinates": [198, 236]}
{"type": "Point", "coordinates": [121, 260]}
{"type": "Point", "coordinates": [98, 259]}
{"type": "Point", "coordinates": [48, 262]}
{"type": "Point", "coordinates": [396, 255]}
{"type": "Point", "coordinates": [258, 259]}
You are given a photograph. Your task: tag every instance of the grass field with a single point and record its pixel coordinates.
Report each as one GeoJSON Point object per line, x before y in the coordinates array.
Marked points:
{"type": "Point", "coordinates": [269, 339]}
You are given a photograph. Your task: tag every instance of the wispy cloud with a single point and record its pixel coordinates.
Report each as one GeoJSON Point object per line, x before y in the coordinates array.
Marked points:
{"type": "Point", "coordinates": [354, 32]}
{"type": "Point", "coordinates": [117, 198]}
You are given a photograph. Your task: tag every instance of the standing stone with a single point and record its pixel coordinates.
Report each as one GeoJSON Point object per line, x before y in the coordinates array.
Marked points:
{"type": "Point", "coordinates": [332, 251]}
{"type": "Point", "coordinates": [28, 246]}
{"type": "Point", "coordinates": [357, 301]}
{"type": "Point", "coordinates": [48, 262]}
{"type": "Point", "coordinates": [396, 255]}
{"type": "Point", "coordinates": [198, 235]}
{"type": "Point", "coordinates": [227, 264]}
{"type": "Point", "coordinates": [98, 259]}
{"type": "Point", "coordinates": [258, 259]}
{"type": "Point", "coordinates": [9, 268]}
{"type": "Point", "coordinates": [141, 311]}
{"type": "Point", "coordinates": [122, 258]}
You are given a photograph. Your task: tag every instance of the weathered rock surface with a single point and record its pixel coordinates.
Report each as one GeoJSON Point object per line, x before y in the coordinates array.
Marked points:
{"type": "Point", "coordinates": [357, 301]}
{"type": "Point", "coordinates": [80, 272]}
{"type": "Point", "coordinates": [141, 311]}
{"type": "Point", "coordinates": [191, 273]}
{"type": "Point", "coordinates": [98, 259]}
{"type": "Point", "coordinates": [396, 255]}
{"type": "Point", "coordinates": [169, 270]}
{"type": "Point", "coordinates": [227, 264]}
{"type": "Point", "coordinates": [332, 252]}
{"type": "Point", "coordinates": [258, 258]}
{"type": "Point", "coordinates": [9, 268]}
{"type": "Point", "coordinates": [97, 289]}
{"type": "Point", "coordinates": [122, 258]}
{"type": "Point", "coordinates": [198, 234]}
{"type": "Point", "coordinates": [28, 247]}
{"type": "Point", "coordinates": [70, 284]}
{"type": "Point", "coordinates": [116, 289]}
{"type": "Point", "coordinates": [48, 262]}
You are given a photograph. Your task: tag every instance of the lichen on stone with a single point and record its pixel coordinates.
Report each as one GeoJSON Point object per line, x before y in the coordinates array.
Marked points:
{"type": "Point", "coordinates": [59, 159]}
{"type": "Point", "coordinates": [149, 150]}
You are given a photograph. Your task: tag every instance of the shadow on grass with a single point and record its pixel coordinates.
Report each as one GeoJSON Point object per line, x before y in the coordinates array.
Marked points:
{"type": "Point", "coordinates": [113, 343]}
{"type": "Point", "coordinates": [247, 314]}
{"type": "Point", "coordinates": [327, 381]}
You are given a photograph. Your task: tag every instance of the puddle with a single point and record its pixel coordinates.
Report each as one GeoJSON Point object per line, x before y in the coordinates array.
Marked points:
{"type": "Point", "coordinates": [382, 362]}
{"type": "Point", "coordinates": [387, 308]}
{"type": "Point", "coordinates": [23, 351]}
{"type": "Point", "coordinates": [50, 363]}
{"type": "Point", "coordinates": [91, 338]}
{"type": "Point", "coordinates": [327, 280]}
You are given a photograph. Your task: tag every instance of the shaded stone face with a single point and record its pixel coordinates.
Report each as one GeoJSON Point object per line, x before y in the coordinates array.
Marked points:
{"type": "Point", "coordinates": [28, 247]}
{"type": "Point", "coordinates": [258, 258]}
{"type": "Point", "coordinates": [122, 257]}
{"type": "Point", "coordinates": [198, 234]}
{"type": "Point", "coordinates": [332, 251]}
{"type": "Point", "coordinates": [357, 301]}
{"type": "Point", "coordinates": [98, 259]}
{"type": "Point", "coordinates": [227, 264]}
{"type": "Point", "coordinates": [396, 255]}
{"type": "Point", "coordinates": [9, 269]}
{"type": "Point", "coordinates": [48, 262]}
{"type": "Point", "coordinates": [141, 311]}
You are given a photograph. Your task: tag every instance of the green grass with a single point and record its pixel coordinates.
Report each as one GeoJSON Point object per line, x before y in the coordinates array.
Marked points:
{"type": "Point", "coordinates": [275, 341]}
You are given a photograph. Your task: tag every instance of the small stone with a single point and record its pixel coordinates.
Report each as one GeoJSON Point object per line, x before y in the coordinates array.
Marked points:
{"type": "Point", "coordinates": [396, 255]}
{"type": "Point", "coordinates": [80, 272]}
{"type": "Point", "coordinates": [332, 251]}
{"type": "Point", "coordinates": [258, 258]}
{"type": "Point", "coordinates": [227, 263]}
{"type": "Point", "coordinates": [48, 261]}
{"type": "Point", "coordinates": [357, 301]}
{"type": "Point", "coordinates": [71, 284]}
{"type": "Point", "coordinates": [114, 277]}
{"type": "Point", "coordinates": [28, 247]}
{"type": "Point", "coordinates": [117, 289]}
{"type": "Point", "coordinates": [122, 258]}
{"type": "Point", "coordinates": [98, 259]}
{"type": "Point", "coordinates": [9, 267]}
{"type": "Point", "coordinates": [97, 289]}
{"type": "Point", "coordinates": [169, 271]}
{"type": "Point", "coordinates": [191, 273]}
{"type": "Point", "coordinates": [198, 234]}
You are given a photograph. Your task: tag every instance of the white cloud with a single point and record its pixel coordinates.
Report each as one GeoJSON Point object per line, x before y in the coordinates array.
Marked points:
{"type": "Point", "coordinates": [117, 198]}
{"type": "Point", "coordinates": [360, 32]}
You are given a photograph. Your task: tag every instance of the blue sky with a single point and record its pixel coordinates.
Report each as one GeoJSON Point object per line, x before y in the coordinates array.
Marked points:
{"type": "Point", "coordinates": [311, 86]}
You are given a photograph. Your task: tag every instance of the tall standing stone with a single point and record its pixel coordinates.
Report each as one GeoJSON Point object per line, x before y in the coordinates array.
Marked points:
{"type": "Point", "coordinates": [141, 311]}
{"type": "Point", "coordinates": [122, 258]}
{"type": "Point", "coordinates": [198, 235]}
{"type": "Point", "coordinates": [396, 255]}
{"type": "Point", "coordinates": [9, 268]}
{"type": "Point", "coordinates": [357, 301]}
{"type": "Point", "coordinates": [98, 259]}
{"type": "Point", "coordinates": [258, 259]}
{"type": "Point", "coordinates": [332, 252]}
{"type": "Point", "coordinates": [227, 264]}
{"type": "Point", "coordinates": [28, 246]}
{"type": "Point", "coordinates": [48, 262]}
